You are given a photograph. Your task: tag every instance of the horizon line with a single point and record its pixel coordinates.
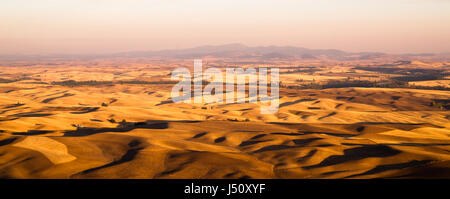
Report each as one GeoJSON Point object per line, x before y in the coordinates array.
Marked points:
{"type": "Point", "coordinates": [212, 45]}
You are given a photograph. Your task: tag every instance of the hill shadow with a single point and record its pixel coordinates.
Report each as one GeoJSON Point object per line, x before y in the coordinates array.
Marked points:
{"type": "Point", "coordinates": [358, 153]}
{"type": "Point", "coordinates": [123, 127]}
{"type": "Point", "coordinates": [53, 98]}
{"type": "Point", "coordinates": [387, 167]}
{"type": "Point", "coordinates": [295, 102]}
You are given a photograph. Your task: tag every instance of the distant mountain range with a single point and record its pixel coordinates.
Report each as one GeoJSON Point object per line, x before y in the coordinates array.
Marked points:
{"type": "Point", "coordinates": [243, 51]}
{"type": "Point", "coordinates": [237, 50]}
{"type": "Point", "coordinates": [240, 51]}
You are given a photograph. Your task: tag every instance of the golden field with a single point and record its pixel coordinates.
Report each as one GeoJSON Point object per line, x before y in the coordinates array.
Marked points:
{"type": "Point", "coordinates": [133, 130]}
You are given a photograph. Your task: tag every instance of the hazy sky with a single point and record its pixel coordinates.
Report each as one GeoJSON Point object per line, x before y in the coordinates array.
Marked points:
{"type": "Point", "coordinates": [101, 26]}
